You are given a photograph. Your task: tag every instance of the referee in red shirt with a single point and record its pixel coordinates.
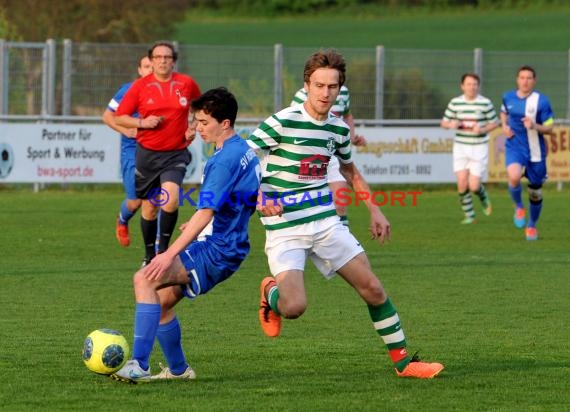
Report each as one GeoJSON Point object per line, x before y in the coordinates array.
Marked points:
{"type": "Point", "coordinates": [162, 100]}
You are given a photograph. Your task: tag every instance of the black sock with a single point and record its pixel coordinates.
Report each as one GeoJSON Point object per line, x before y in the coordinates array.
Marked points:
{"type": "Point", "coordinates": [148, 228]}
{"type": "Point", "coordinates": [167, 225]}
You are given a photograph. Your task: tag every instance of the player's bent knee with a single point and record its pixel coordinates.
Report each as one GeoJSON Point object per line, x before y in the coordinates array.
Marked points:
{"type": "Point", "coordinates": [134, 204]}
{"type": "Point", "coordinates": [140, 282]}
{"type": "Point", "coordinates": [535, 193]}
{"type": "Point", "coordinates": [292, 311]}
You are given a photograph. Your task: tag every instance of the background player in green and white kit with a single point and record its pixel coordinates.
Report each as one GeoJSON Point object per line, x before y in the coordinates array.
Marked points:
{"type": "Point", "coordinates": [300, 221]}
{"type": "Point", "coordinates": [340, 108]}
{"type": "Point", "coordinates": [473, 116]}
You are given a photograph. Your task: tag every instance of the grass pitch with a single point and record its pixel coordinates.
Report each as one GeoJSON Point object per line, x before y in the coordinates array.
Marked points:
{"type": "Point", "coordinates": [480, 299]}
{"type": "Point", "coordinates": [509, 28]}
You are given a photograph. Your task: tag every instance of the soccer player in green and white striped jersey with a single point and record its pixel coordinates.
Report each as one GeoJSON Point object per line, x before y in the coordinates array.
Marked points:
{"type": "Point", "coordinates": [296, 146]}
{"type": "Point", "coordinates": [340, 108]}
{"type": "Point", "coordinates": [473, 117]}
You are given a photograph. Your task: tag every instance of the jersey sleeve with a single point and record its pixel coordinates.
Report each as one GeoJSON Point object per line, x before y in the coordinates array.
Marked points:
{"type": "Point", "coordinates": [129, 102]}
{"type": "Point", "coordinates": [545, 113]}
{"type": "Point", "coordinates": [346, 110]}
{"type": "Point", "coordinates": [450, 112]}
{"type": "Point", "coordinates": [299, 97]}
{"type": "Point", "coordinates": [504, 104]}
{"type": "Point", "coordinates": [118, 97]}
{"type": "Point", "coordinates": [490, 114]}
{"type": "Point", "coordinates": [267, 135]}
{"type": "Point", "coordinates": [194, 92]}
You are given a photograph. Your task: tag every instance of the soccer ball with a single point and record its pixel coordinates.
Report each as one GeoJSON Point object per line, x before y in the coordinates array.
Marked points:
{"type": "Point", "coordinates": [6, 159]}
{"type": "Point", "coordinates": [105, 351]}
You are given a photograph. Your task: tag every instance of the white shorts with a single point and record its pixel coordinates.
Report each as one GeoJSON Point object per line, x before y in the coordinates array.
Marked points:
{"type": "Point", "coordinates": [328, 243]}
{"type": "Point", "coordinates": [472, 157]}
{"type": "Point", "coordinates": [333, 171]}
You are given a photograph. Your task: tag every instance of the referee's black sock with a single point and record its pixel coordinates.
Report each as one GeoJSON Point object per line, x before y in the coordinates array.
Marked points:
{"type": "Point", "coordinates": [167, 225]}
{"type": "Point", "coordinates": [148, 228]}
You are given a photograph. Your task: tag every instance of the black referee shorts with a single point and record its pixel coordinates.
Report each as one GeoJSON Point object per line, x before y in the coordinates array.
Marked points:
{"type": "Point", "coordinates": [154, 168]}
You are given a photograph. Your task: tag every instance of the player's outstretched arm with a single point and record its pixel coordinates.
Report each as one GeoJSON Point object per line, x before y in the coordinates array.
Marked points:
{"type": "Point", "coordinates": [160, 263]}
{"type": "Point", "coordinates": [109, 119]}
{"type": "Point", "coordinates": [379, 225]}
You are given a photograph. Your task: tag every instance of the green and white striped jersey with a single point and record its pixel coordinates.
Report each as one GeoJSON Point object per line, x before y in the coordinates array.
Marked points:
{"type": "Point", "coordinates": [297, 151]}
{"type": "Point", "coordinates": [340, 108]}
{"type": "Point", "coordinates": [469, 113]}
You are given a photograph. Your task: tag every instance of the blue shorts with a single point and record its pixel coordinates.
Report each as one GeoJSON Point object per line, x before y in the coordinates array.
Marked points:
{"type": "Point", "coordinates": [535, 172]}
{"type": "Point", "coordinates": [205, 268]}
{"type": "Point", "coordinates": [128, 175]}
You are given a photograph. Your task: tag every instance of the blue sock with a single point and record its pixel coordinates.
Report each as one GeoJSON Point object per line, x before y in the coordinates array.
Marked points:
{"type": "Point", "coordinates": [147, 316]}
{"type": "Point", "coordinates": [516, 195]}
{"type": "Point", "coordinates": [125, 214]}
{"type": "Point", "coordinates": [535, 208]}
{"type": "Point", "coordinates": [169, 336]}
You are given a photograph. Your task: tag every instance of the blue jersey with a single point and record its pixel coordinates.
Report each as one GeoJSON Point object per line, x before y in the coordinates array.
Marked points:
{"type": "Point", "coordinates": [229, 187]}
{"type": "Point", "coordinates": [128, 145]}
{"type": "Point", "coordinates": [536, 106]}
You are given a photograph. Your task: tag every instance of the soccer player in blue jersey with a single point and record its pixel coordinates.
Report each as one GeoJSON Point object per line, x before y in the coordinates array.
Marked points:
{"type": "Point", "coordinates": [131, 204]}
{"type": "Point", "coordinates": [526, 116]}
{"type": "Point", "coordinates": [191, 267]}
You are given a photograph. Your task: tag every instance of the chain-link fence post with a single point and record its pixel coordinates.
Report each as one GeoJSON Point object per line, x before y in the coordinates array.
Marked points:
{"type": "Point", "coordinates": [66, 80]}
{"type": "Point", "coordinates": [379, 90]}
{"type": "Point", "coordinates": [278, 77]}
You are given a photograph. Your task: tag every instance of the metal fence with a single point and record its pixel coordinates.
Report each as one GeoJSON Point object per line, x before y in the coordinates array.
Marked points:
{"type": "Point", "coordinates": [66, 79]}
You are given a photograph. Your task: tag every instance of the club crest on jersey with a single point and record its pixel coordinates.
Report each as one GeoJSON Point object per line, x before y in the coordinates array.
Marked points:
{"type": "Point", "coordinates": [181, 99]}
{"type": "Point", "coordinates": [331, 145]}
{"type": "Point", "coordinates": [313, 167]}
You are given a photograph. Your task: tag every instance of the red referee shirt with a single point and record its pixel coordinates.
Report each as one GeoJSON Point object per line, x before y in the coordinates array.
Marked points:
{"type": "Point", "coordinates": [171, 100]}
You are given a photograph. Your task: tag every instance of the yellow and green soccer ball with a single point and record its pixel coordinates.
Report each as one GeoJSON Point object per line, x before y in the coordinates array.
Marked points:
{"type": "Point", "coordinates": [105, 351]}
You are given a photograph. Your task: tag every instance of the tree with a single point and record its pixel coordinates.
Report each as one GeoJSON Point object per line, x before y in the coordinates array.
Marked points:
{"type": "Point", "coordinates": [125, 21]}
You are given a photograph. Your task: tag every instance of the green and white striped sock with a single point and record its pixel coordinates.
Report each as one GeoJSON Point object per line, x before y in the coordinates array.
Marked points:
{"type": "Point", "coordinates": [387, 324]}
{"type": "Point", "coordinates": [467, 204]}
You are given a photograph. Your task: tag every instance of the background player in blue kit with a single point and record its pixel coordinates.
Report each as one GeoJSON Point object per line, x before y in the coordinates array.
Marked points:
{"type": "Point", "coordinates": [131, 204]}
{"type": "Point", "coordinates": [526, 116]}
{"type": "Point", "coordinates": [190, 267]}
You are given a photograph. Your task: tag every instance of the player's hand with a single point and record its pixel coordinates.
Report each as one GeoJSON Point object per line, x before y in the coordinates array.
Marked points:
{"type": "Point", "coordinates": [454, 124]}
{"type": "Point", "coordinates": [151, 121]}
{"type": "Point", "coordinates": [131, 133]}
{"type": "Point", "coordinates": [528, 123]}
{"type": "Point", "coordinates": [190, 133]}
{"type": "Point", "coordinates": [476, 128]}
{"type": "Point", "coordinates": [268, 206]}
{"type": "Point", "coordinates": [358, 140]}
{"type": "Point", "coordinates": [508, 131]}
{"type": "Point", "coordinates": [380, 227]}
{"type": "Point", "coordinates": [157, 267]}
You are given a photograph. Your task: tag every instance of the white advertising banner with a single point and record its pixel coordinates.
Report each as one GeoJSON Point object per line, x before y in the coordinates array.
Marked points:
{"type": "Point", "coordinates": [73, 153]}
{"type": "Point", "coordinates": [406, 155]}
{"type": "Point", "coordinates": [401, 154]}
{"type": "Point", "coordinates": [84, 153]}
{"type": "Point", "coordinates": [59, 153]}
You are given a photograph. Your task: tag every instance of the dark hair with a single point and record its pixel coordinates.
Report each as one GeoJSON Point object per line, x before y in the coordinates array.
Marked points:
{"type": "Point", "coordinates": [141, 58]}
{"type": "Point", "coordinates": [472, 75]}
{"type": "Point", "coordinates": [165, 44]}
{"type": "Point", "coordinates": [329, 58]}
{"type": "Point", "coordinates": [526, 68]}
{"type": "Point", "coordinates": [218, 103]}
